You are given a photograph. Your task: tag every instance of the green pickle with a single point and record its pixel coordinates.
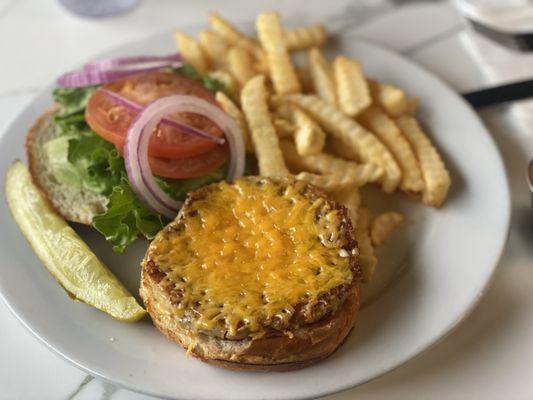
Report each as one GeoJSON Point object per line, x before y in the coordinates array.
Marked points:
{"type": "Point", "coordinates": [63, 252]}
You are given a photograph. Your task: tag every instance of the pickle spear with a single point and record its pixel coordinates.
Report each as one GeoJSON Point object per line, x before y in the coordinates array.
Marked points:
{"type": "Point", "coordinates": [63, 252]}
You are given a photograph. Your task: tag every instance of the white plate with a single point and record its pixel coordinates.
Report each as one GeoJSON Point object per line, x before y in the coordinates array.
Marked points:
{"type": "Point", "coordinates": [447, 257]}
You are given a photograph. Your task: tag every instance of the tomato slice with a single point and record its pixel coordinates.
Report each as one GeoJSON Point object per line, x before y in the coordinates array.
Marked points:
{"type": "Point", "coordinates": [111, 121]}
{"type": "Point", "coordinates": [190, 167]}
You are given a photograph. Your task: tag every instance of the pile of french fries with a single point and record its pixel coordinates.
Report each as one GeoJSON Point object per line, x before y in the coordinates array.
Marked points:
{"type": "Point", "coordinates": [326, 123]}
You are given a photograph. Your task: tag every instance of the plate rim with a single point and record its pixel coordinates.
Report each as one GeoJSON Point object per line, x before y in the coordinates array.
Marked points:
{"type": "Point", "coordinates": [421, 349]}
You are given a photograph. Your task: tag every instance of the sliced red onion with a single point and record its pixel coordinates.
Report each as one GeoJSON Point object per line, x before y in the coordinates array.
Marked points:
{"type": "Point", "coordinates": [189, 130]}
{"type": "Point", "coordinates": [138, 138]}
{"type": "Point", "coordinates": [113, 63]}
{"type": "Point", "coordinates": [87, 77]}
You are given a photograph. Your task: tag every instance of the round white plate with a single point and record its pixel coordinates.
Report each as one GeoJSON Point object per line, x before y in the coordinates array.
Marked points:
{"type": "Point", "coordinates": [446, 258]}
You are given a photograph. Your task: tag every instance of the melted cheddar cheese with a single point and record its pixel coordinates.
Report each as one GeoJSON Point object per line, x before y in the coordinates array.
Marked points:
{"type": "Point", "coordinates": [248, 253]}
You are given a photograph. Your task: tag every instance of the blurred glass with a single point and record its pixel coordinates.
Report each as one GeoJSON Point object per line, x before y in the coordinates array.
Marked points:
{"type": "Point", "coordinates": [98, 8]}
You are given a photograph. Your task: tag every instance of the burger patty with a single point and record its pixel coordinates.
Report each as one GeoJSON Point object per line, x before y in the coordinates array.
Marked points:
{"type": "Point", "coordinates": [174, 266]}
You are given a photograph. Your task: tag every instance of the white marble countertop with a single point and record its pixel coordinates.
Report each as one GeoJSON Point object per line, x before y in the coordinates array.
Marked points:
{"type": "Point", "coordinates": [487, 357]}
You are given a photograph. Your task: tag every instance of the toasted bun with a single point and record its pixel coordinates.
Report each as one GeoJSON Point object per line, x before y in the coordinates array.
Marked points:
{"type": "Point", "coordinates": [275, 352]}
{"type": "Point", "coordinates": [295, 346]}
{"type": "Point", "coordinates": [73, 203]}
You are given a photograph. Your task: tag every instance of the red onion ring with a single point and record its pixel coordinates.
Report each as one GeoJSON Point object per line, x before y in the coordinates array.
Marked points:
{"type": "Point", "coordinates": [86, 77]}
{"type": "Point", "coordinates": [138, 137]}
{"type": "Point", "coordinates": [189, 130]}
{"type": "Point", "coordinates": [113, 63]}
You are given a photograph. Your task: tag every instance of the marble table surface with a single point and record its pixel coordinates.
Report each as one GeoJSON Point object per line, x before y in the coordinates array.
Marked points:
{"type": "Point", "coordinates": [487, 357]}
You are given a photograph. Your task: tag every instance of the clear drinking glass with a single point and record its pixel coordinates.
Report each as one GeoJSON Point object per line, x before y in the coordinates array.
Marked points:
{"type": "Point", "coordinates": [98, 8]}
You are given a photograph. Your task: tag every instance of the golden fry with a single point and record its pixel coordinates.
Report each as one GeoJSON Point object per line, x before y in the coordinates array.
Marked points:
{"type": "Point", "coordinates": [214, 47]}
{"type": "Point", "coordinates": [351, 199]}
{"type": "Point", "coordinates": [336, 146]}
{"type": "Point", "coordinates": [260, 60]}
{"type": "Point", "coordinates": [391, 98]}
{"type": "Point", "coordinates": [264, 137]}
{"type": "Point", "coordinates": [284, 128]}
{"type": "Point", "coordinates": [367, 258]}
{"type": "Point", "coordinates": [304, 76]}
{"type": "Point", "coordinates": [191, 51]}
{"type": "Point", "coordinates": [226, 79]}
{"type": "Point", "coordinates": [363, 174]}
{"type": "Point", "coordinates": [436, 177]}
{"type": "Point", "coordinates": [412, 105]}
{"type": "Point", "coordinates": [352, 88]}
{"type": "Point", "coordinates": [321, 76]}
{"type": "Point", "coordinates": [364, 146]}
{"type": "Point", "coordinates": [233, 111]}
{"type": "Point", "coordinates": [383, 225]}
{"type": "Point", "coordinates": [309, 136]}
{"type": "Point", "coordinates": [321, 163]}
{"type": "Point", "coordinates": [281, 107]}
{"type": "Point", "coordinates": [378, 122]}
{"type": "Point", "coordinates": [280, 65]}
{"type": "Point", "coordinates": [228, 32]}
{"type": "Point", "coordinates": [240, 64]}
{"type": "Point", "coordinates": [305, 37]}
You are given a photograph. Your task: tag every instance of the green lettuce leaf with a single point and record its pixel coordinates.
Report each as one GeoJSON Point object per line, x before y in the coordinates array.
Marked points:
{"type": "Point", "coordinates": [101, 169]}
{"type": "Point", "coordinates": [126, 218]}
{"type": "Point", "coordinates": [178, 188]}
{"type": "Point", "coordinates": [214, 85]}
{"type": "Point", "coordinates": [73, 100]}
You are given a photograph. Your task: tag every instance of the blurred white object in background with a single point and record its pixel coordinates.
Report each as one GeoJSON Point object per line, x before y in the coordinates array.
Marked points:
{"type": "Point", "coordinates": [514, 16]}
{"type": "Point", "coordinates": [98, 8]}
{"type": "Point", "coordinates": [510, 26]}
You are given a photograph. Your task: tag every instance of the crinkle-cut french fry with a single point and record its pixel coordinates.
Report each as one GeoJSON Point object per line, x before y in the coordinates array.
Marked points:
{"type": "Point", "coordinates": [304, 76]}
{"type": "Point", "coordinates": [228, 32]}
{"type": "Point", "coordinates": [264, 137]}
{"type": "Point", "coordinates": [240, 64]}
{"type": "Point", "coordinates": [336, 146]}
{"type": "Point", "coordinates": [191, 51]}
{"type": "Point", "coordinates": [321, 163]}
{"type": "Point", "coordinates": [309, 136]}
{"type": "Point", "coordinates": [363, 174]}
{"type": "Point", "coordinates": [284, 128]}
{"type": "Point", "coordinates": [351, 199]}
{"type": "Point", "coordinates": [367, 258]}
{"type": "Point", "coordinates": [412, 105]}
{"type": "Point", "coordinates": [280, 65]}
{"type": "Point", "coordinates": [321, 76]}
{"type": "Point", "coordinates": [305, 37]}
{"type": "Point", "coordinates": [379, 123]}
{"type": "Point", "coordinates": [214, 47]}
{"type": "Point", "coordinates": [383, 225]}
{"type": "Point", "coordinates": [436, 177]}
{"type": "Point", "coordinates": [235, 112]}
{"type": "Point", "coordinates": [260, 60]}
{"type": "Point", "coordinates": [391, 98]}
{"type": "Point", "coordinates": [353, 93]}
{"type": "Point", "coordinates": [281, 107]}
{"type": "Point", "coordinates": [226, 79]}
{"type": "Point", "coordinates": [365, 146]}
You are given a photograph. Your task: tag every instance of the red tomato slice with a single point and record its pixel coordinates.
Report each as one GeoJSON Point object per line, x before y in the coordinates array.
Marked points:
{"type": "Point", "coordinates": [191, 167]}
{"type": "Point", "coordinates": [111, 121]}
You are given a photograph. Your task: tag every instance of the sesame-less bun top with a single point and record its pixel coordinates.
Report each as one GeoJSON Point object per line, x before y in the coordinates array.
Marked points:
{"type": "Point", "coordinates": [257, 255]}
